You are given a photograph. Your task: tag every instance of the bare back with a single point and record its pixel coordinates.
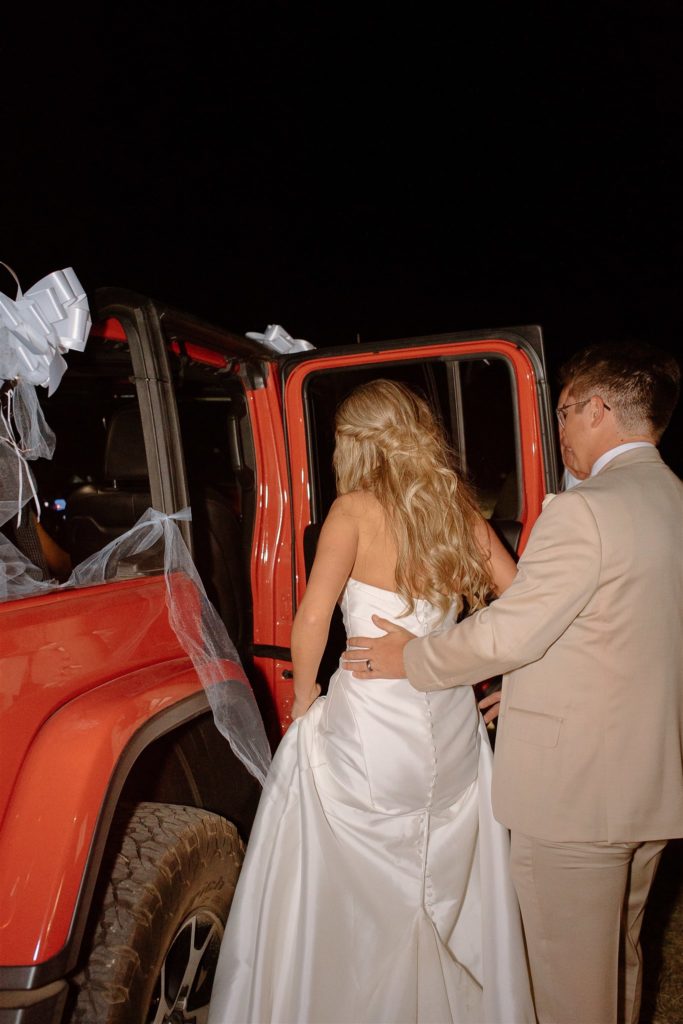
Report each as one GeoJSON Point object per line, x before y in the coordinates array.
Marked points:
{"type": "Point", "coordinates": [376, 551]}
{"type": "Point", "coordinates": [376, 555]}
{"type": "Point", "coordinates": [356, 541]}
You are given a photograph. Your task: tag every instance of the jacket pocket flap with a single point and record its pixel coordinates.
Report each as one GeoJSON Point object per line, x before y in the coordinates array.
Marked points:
{"type": "Point", "coordinates": [533, 727]}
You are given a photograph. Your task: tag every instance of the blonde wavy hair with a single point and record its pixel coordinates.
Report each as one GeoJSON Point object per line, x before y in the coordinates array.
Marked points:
{"type": "Point", "coordinates": [388, 442]}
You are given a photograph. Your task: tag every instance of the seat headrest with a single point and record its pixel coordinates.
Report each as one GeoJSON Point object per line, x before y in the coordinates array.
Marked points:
{"type": "Point", "coordinates": [124, 452]}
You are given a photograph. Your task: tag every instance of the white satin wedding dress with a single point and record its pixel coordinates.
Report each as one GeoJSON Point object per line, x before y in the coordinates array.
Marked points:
{"type": "Point", "coordinates": [375, 886]}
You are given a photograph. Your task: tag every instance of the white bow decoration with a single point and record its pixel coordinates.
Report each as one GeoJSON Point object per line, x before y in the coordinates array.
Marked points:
{"type": "Point", "coordinates": [40, 326]}
{"type": "Point", "coordinates": [36, 329]}
{"type": "Point", "coordinates": [277, 338]}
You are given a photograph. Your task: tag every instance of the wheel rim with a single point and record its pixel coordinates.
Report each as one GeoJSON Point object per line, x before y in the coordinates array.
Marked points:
{"type": "Point", "coordinates": [183, 987]}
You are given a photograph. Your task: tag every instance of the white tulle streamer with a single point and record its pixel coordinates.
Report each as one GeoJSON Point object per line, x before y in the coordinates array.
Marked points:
{"type": "Point", "coordinates": [153, 541]}
{"type": "Point", "coordinates": [40, 326]}
{"type": "Point", "coordinates": [24, 435]}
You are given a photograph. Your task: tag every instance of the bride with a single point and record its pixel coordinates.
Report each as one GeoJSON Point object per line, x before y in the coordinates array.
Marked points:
{"type": "Point", "coordinates": [375, 885]}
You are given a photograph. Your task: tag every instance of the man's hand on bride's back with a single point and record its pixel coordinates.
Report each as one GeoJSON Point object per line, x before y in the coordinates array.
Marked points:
{"type": "Point", "coordinates": [373, 657]}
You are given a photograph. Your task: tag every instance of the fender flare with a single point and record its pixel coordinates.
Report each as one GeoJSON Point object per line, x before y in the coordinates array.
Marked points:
{"type": "Point", "coordinates": [60, 813]}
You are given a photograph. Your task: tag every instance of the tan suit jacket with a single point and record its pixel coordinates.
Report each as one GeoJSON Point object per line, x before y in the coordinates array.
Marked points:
{"type": "Point", "coordinates": [590, 639]}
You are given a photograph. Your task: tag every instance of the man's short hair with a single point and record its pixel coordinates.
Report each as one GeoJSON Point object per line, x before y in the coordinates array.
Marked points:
{"type": "Point", "coordinates": [640, 383]}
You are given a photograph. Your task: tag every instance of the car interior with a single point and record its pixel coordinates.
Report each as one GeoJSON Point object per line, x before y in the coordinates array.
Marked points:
{"type": "Point", "coordinates": [96, 486]}
{"type": "Point", "coordinates": [480, 425]}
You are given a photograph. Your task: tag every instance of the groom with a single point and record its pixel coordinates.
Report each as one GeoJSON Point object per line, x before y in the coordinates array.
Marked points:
{"type": "Point", "coordinates": [588, 765]}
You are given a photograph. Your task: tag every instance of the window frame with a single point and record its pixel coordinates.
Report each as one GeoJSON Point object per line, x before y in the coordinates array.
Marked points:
{"type": "Point", "coordinates": [534, 438]}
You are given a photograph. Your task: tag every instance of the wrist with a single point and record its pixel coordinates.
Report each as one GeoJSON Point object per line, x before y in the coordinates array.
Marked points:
{"type": "Point", "coordinates": [306, 693]}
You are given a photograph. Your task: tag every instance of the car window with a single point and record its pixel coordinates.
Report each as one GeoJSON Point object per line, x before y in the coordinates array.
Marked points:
{"type": "Point", "coordinates": [474, 401]}
{"type": "Point", "coordinates": [96, 485]}
{"type": "Point", "coordinates": [488, 441]}
{"type": "Point", "coordinates": [218, 454]}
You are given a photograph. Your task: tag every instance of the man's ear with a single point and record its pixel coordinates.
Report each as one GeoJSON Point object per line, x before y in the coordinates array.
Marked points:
{"type": "Point", "coordinates": [597, 411]}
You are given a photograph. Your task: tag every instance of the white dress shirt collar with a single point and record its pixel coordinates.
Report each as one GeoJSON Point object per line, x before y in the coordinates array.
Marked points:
{"type": "Point", "coordinates": [619, 450]}
{"type": "Point", "coordinates": [569, 480]}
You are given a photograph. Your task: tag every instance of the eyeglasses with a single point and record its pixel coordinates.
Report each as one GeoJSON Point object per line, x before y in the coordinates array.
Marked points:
{"type": "Point", "coordinates": [561, 413]}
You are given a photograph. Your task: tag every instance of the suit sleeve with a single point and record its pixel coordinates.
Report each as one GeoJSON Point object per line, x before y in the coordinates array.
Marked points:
{"type": "Point", "coordinates": [557, 576]}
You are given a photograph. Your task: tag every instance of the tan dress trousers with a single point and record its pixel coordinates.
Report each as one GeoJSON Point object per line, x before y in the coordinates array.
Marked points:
{"type": "Point", "coordinates": [582, 906]}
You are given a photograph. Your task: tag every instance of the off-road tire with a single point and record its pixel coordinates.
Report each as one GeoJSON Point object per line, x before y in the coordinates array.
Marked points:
{"type": "Point", "coordinates": [171, 883]}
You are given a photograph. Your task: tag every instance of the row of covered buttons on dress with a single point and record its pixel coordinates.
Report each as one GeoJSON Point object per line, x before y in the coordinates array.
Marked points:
{"type": "Point", "coordinates": [428, 885]}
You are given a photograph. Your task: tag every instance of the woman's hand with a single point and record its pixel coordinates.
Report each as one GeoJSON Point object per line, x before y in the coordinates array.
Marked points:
{"type": "Point", "coordinates": [302, 702]}
{"type": "Point", "coordinates": [491, 702]}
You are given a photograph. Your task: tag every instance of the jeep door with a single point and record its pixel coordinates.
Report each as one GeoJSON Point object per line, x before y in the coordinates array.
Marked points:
{"type": "Point", "coordinates": [488, 388]}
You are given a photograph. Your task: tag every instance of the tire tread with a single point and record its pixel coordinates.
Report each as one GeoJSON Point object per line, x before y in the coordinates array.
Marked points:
{"type": "Point", "coordinates": [163, 849]}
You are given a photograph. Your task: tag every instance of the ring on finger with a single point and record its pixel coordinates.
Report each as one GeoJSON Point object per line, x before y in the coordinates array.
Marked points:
{"type": "Point", "coordinates": [369, 664]}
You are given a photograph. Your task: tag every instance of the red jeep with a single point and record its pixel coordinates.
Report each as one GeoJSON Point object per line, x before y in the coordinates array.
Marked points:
{"type": "Point", "coordinates": [123, 812]}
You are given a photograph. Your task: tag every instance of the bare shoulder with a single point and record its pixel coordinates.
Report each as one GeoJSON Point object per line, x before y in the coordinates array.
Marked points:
{"type": "Point", "coordinates": [482, 534]}
{"type": "Point", "coordinates": [357, 505]}
{"type": "Point", "coordinates": [486, 537]}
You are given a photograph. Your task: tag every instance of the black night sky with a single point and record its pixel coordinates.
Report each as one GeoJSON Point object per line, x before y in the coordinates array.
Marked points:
{"type": "Point", "coordinates": [379, 170]}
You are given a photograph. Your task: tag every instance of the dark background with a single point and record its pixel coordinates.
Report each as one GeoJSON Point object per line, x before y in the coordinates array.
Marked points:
{"type": "Point", "coordinates": [373, 170]}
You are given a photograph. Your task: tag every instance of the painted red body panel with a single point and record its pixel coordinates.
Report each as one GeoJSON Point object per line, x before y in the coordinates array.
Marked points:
{"type": "Point", "coordinates": [103, 661]}
{"type": "Point", "coordinates": [271, 567]}
{"type": "Point", "coordinates": [55, 647]}
{"type": "Point", "coordinates": [271, 559]}
{"type": "Point", "coordinates": [40, 880]}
